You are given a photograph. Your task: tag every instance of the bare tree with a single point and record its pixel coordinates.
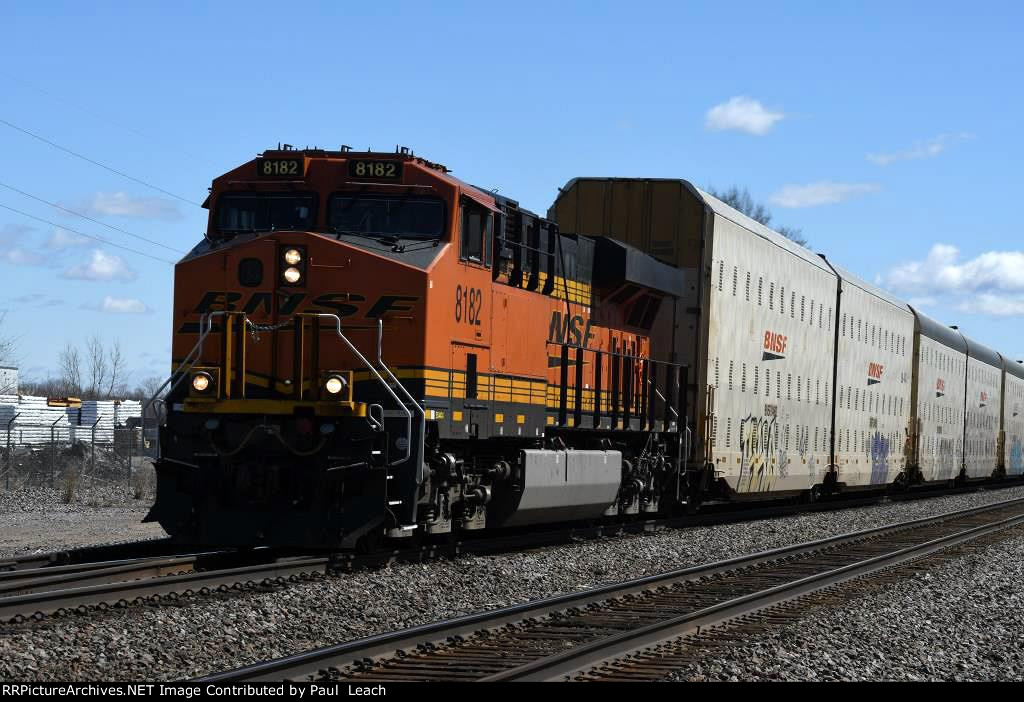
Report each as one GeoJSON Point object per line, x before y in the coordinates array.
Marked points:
{"type": "Point", "coordinates": [70, 364]}
{"type": "Point", "coordinates": [96, 360]}
{"type": "Point", "coordinates": [116, 359]}
{"type": "Point", "coordinates": [742, 201]}
{"type": "Point", "coordinates": [49, 387]}
{"type": "Point", "coordinates": [8, 346]}
{"type": "Point", "coordinates": [148, 387]}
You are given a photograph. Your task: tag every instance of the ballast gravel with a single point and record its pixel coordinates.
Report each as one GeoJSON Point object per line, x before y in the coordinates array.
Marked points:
{"type": "Point", "coordinates": [962, 620]}
{"type": "Point", "coordinates": [33, 520]}
{"type": "Point", "coordinates": [205, 634]}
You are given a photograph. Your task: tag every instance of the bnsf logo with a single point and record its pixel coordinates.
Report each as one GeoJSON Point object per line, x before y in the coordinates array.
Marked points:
{"type": "Point", "coordinates": [774, 346]}
{"type": "Point", "coordinates": [875, 373]}
{"type": "Point", "coordinates": [776, 343]}
{"type": "Point", "coordinates": [940, 384]}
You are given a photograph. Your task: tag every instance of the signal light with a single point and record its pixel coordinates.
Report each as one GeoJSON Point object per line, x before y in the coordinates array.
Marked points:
{"type": "Point", "coordinates": [293, 265]}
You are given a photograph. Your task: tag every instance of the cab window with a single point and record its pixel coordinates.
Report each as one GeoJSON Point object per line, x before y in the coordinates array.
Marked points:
{"type": "Point", "coordinates": [476, 232]}
{"type": "Point", "coordinates": [257, 212]}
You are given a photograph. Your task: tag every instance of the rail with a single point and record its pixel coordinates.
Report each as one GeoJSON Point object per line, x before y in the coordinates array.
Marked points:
{"type": "Point", "coordinates": [387, 388]}
{"type": "Point", "coordinates": [190, 360]}
{"type": "Point", "coordinates": [421, 468]}
{"type": "Point", "coordinates": [625, 393]}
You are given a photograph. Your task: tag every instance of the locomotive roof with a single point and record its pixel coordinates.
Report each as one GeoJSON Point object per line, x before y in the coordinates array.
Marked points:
{"type": "Point", "coordinates": [867, 287]}
{"type": "Point", "coordinates": [940, 332]}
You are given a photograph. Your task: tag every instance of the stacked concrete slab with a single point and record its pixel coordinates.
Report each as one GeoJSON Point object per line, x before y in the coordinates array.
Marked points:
{"type": "Point", "coordinates": [69, 424]}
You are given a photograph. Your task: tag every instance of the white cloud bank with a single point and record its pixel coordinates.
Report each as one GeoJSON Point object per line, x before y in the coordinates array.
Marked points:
{"type": "Point", "coordinates": [62, 239]}
{"type": "Point", "coordinates": [743, 114]}
{"type": "Point", "coordinates": [991, 284]}
{"type": "Point", "coordinates": [121, 204]}
{"type": "Point", "coordinates": [101, 266]}
{"type": "Point", "coordinates": [123, 305]}
{"type": "Point", "coordinates": [821, 193]}
{"type": "Point", "coordinates": [927, 149]}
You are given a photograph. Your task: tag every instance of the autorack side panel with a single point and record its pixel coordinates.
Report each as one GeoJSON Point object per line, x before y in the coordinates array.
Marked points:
{"type": "Point", "coordinates": [1013, 417]}
{"type": "Point", "coordinates": [981, 415]}
{"type": "Point", "coordinates": [937, 422]}
{"type": "Point", "coordinates": [770, 356]}
{"type": "Point", "coordinates": [874, 368]}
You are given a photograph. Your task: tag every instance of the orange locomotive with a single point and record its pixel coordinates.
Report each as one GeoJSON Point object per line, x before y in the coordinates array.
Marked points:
{"type": "Point", "coordinates": [367, 347]}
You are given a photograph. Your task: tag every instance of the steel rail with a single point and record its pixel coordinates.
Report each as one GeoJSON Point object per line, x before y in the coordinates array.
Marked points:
{"type": "Point", "coordinates": [23, 582]}
{"type": "Point", "coordinates": [605, 651]}
{"type": "Point", "coordinates": [112, 593]}
{"type": "Point", "coordinates": [150, 548]}
{"type": "Point", "coordinates": [382, 645]}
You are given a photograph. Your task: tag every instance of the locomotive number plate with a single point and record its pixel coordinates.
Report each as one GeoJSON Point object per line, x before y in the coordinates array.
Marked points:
{"type": "Point", "coordinates": [388, 170]}
{"type": "Point", "coordinates": [277, 167]}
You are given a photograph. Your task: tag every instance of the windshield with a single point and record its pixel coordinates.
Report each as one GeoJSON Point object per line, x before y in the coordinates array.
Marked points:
{"type": "Point", "coordinates": [249, 212]}
{"type": "Point", "coordinates": [401, 217]}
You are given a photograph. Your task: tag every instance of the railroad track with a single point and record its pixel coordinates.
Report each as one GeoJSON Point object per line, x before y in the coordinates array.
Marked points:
{"type": "Point", "coordinates": [150, 548]}
{"type": "Point", "coordinates": [35, 595]}
{"type": "Point", "coordinates": [596, 634]}
{"type": "Point", "coordinates": [120, 575]}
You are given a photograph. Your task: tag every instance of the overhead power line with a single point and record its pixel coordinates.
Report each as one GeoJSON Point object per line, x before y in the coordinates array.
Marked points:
{"type": "Point", "coordinates": [97, 163]}
{"type": "Point", "coordinates": [87, 236]}
{"type": "Point", "coordinates": [95, 221]}
{"type": "Point", "coordinates": [64, 100]}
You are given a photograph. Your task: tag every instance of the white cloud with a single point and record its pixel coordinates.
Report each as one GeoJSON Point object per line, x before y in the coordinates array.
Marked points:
{"type": "Point", "coordinates": [821, 193]}
{"type": "Point", "coordinates": [101, 266]}
{"type": "Point", "coordinates": [940, 272]}
{"type": "Point", "coordinates": [22, 257]}
{"type": "Point", "coordinates": [121, 204]}
{"type": "Point", "coordinates": [927, 149]}
{"type": "Point", "coordinates": [993, 305]}
{"type": "Point", "coordinates": [13, 233]}
{"type": "Point", "coordinates": [123, 305]}
{"type": "Point", "coordinates": [992, 283]}
{"type": "Point", "coordinates": [742, 113]}
{"type": "Point", "coordinates": [62, 239]}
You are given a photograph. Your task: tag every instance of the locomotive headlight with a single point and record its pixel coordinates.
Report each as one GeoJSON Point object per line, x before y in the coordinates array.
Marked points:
{"type": "Point", "coordinates": [293, 257]}
{"type": "Point", "coordinates": [292, 275]}
{"type": "Point", "coordinates": [201, 381]}
{"type": "Point", "coordinates": [335, 384]}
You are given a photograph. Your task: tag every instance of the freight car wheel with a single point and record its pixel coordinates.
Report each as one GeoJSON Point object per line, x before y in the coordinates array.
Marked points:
{"type": "Point", "coordinates": [814, 494]}
{"type": "Point", "coordinates": [369, 542]}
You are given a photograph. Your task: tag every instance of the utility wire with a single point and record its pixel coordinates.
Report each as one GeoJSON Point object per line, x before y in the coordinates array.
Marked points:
{"type": "Point", "coordinates": [95, 221]}
{"type": "Point", "coordinates": [97, 115]}
{"type": "Point", "coordinates": [97, 163]}
{"type": "Point", "coordinates": [87, 236]}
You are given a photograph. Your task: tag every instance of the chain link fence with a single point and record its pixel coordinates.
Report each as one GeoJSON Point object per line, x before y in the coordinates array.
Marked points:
{"type": "Point", "coordinates": [52, 456]}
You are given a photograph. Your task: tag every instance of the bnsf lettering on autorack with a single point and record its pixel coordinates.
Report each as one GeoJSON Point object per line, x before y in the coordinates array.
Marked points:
{"type": "Point", "coordinates": [776, 343]}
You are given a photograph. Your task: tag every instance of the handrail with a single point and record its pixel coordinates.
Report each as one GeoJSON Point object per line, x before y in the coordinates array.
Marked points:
{"type": "Point", "coordinates": [654, 387]}
{"type": "Point", "coordinates": [421, 469]}
{"type": "Point", "coordinates": [387, 388]}
{"type": "Point", "coordinates": [204, 320]}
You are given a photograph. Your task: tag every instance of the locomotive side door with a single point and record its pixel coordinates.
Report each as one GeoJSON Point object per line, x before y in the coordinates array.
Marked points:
{"type": "Point", "coordinates": [470, 390]}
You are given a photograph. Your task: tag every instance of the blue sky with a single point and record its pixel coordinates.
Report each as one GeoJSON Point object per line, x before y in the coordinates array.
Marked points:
{"type": "Point", "coordinates": [889, 132]}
